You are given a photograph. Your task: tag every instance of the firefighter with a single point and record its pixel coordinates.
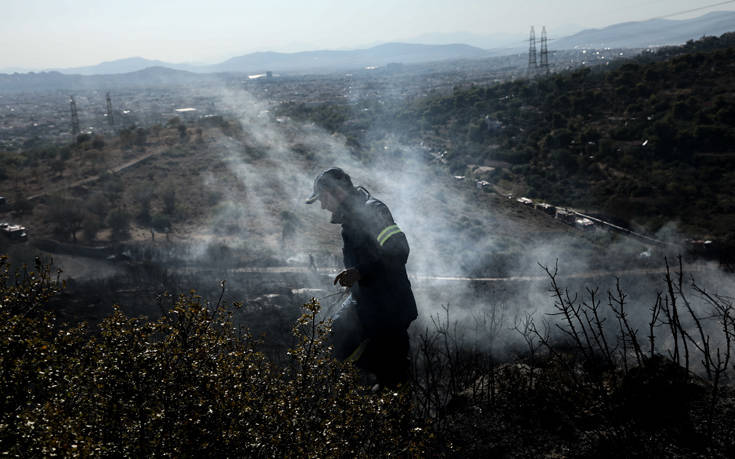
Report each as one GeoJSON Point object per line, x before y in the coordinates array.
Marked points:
{"type": "Point", "coordinates": [370, 328]}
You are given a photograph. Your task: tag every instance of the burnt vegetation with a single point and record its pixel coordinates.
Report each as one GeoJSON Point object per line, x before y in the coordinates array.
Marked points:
{"type": "Point", "coordinates": [591, 380]}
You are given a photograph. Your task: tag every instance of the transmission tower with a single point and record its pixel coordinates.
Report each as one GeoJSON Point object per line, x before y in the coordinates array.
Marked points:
{"type": "Point", "coordinates": [74, 118]}
{"type": "Point", "coordinates": [544, 52]}
{"type": "Point", "coordinates": [532, 54]}
{"type": "Point", "coordinates": [110, 119]}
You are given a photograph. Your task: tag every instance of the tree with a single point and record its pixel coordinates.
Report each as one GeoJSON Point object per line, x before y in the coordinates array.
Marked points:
{"type": "Point", "coordinates": [64, 153]}
{"type": "Point", "coordinates": [558, 138]}
{"type": "Point", "coordinates": [564, 158]}
{"type": "Point", "coordinates": [57, 166]}
{"type": "Point", "coordinates": [182, 131]}
{"type": "Point", "coordinates": [81, 138]}
{"type": "Point", "coordinates": [21, 205]}
{"type": "Point", "coordinates": [113, 186]}
{"type": "Point", "coordinates": [66, 218]}
{"type": "Point", "coordinates": [160, 223]}
{"type": "Point", "coordinates": [98, 205]}
{"type": "Point", "coordinates": [143, 196]}
{"type": "Point", "coordinates": [90, 226]}
{"type": "Point", "coordinates": [590, 134]}
{"type": "Point", "coordinates": [119, 221]}
{"type": "Point", "coordinates": [141, 135]}
{"type": "Point", "coordinates": [663, 135]}
{"type": "Point", "coordinates": [476, 131]}
{"type": "Point", "coordinates": [168, 195]}
{"type": "Point", "coordinates": [127, 137]}
{"type": "Point", "coordinates": [98, 143]}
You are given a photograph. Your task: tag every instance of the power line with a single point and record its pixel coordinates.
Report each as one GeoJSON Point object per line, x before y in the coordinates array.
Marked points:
{"type": "Point", "coordinates": [678, 13]}
{"type": "Point", "coordinates": [695, 9]}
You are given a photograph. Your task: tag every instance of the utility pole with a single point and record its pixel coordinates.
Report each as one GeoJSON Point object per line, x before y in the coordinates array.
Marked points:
{"type": "Point", "coordinates": [110, 119]}
{"type": "Point", "coordinates": [544, 52]}
{"type": "Point", "coordinates": [74, 118]}
{"type": "Point", "coordinates": [531, 54]}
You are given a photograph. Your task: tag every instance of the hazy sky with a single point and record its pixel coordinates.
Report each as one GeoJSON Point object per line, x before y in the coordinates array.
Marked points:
{"type": "Point", "coordinates": [39, 34]}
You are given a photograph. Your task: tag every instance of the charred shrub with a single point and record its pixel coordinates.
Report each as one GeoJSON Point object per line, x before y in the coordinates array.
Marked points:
{"type": "Point", "coordinates": [594, 380]}
{"type": "Point", "coordinates": [659, 394]}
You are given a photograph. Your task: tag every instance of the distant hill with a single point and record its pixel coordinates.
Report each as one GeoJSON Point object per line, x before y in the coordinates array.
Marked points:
{"type": "Point", "coordinates": [376, 56]}
{"type": "Point", "coordinates": [485, 41]}
{"type": "Point", "coordinates": [130, 64]}
{"type": "Point", "coordinates": [307, 61]}
{"type": "Point", "coordinates": [654, 32]}
{"type": "Point", "coordinates": [150, 77]}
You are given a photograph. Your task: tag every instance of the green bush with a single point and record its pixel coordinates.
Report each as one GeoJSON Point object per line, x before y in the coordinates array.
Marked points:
{"type": "Point", "coordinates": [187, 384]}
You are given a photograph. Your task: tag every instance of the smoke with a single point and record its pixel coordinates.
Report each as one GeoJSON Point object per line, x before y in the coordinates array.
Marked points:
{"type": "Point", "coordinates": [474, 254]}
{"type": "Point", "coordinates": [454, 230]}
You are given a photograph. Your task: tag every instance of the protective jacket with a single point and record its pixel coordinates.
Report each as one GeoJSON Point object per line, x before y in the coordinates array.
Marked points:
{"type": "Point", "coordinates": [378, 249]}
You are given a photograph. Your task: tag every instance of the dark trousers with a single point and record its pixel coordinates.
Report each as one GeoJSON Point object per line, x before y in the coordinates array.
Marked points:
{"type": "Point", "coordinates": [386, 354]}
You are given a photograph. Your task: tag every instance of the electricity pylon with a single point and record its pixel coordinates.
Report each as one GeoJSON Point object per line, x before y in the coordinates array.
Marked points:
{"type": "Point", "coordinates": [74, 117]}
{"type": "Point", "coordinates": [544, 52]}
{"type": "Point", "coordinates": [531, 54]}
{"type": "Point", "coordinates": [110, 119]}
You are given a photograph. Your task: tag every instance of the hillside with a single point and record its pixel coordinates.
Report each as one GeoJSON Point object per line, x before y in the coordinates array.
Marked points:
{"type": "Point", "coordinates": [632, 142]}
{"type": "Point", "coordinates": [647, 141]}
{"type": "Point", "coordinates": [220, 182]}
{"type": "Point", "coordinates": [651, 33]}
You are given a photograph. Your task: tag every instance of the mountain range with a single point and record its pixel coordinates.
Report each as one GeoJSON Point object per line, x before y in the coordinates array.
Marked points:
{"type": "Point", "coordinates": [149, 77]}
{"type": "Point", "coordinates": [651, 33]}
{"type": "Point", "coordinates": [376, 56]}
{"type": "Point", "coordinates": [643, 34]}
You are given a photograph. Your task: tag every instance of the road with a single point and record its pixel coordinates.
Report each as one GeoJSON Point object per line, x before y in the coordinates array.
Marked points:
{"type": "Point", "coordinates": [93, 178]}
{"type": "Point", "coordinates": [688, 268]}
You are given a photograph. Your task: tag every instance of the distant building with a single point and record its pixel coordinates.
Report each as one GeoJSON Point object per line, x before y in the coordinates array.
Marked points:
{"type": "Point", "coordinates": [566, 215]}
{"type": "Point", "coordinates": [525, 201]}
{"type": "Point", "coordinates": [14, 232]}
{"type": "Point", "coordinates": [546, 208]}
{"type": "Point", "coordinates": [584, 223]}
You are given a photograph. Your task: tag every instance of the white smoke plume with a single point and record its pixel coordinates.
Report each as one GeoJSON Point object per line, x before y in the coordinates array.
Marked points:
{"type": "Point", "coordinates": [453, 230]}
